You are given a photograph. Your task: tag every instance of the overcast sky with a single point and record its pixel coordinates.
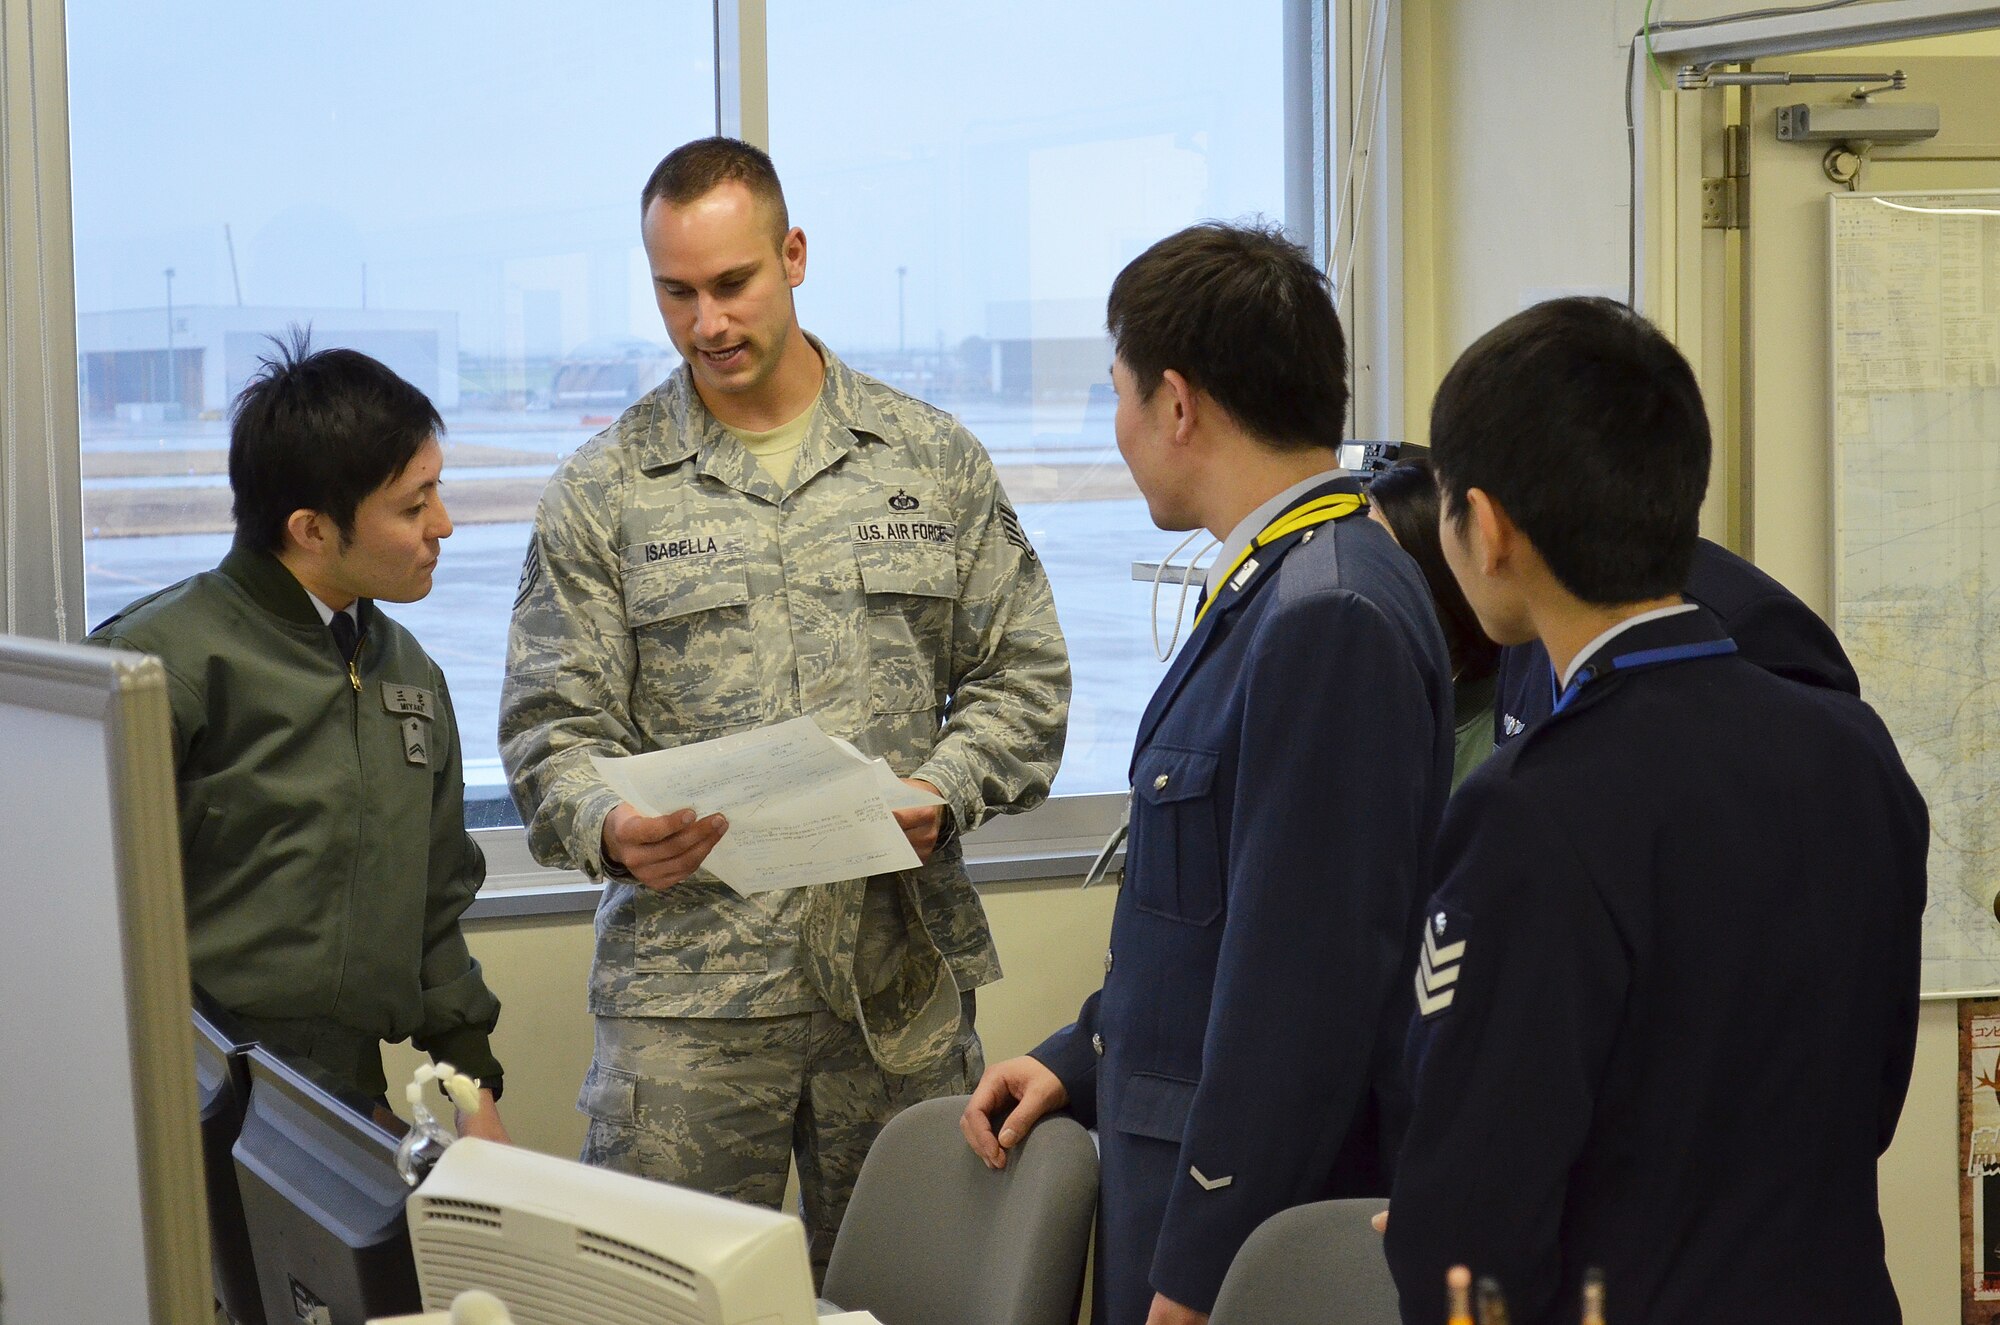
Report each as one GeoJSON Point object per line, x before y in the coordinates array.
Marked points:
{"type": "Point", "coordinates": [487, 158]}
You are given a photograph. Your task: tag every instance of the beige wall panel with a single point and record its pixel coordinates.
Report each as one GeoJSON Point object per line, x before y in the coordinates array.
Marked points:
{"type": "Point", "coordinates": [1052, 940]}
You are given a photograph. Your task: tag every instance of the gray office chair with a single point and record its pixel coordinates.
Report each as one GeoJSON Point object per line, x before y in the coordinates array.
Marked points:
{"type": "Point", "coordinates": [934, 1237]}
{"type": "Point", "coordinates": [1318, 1264]}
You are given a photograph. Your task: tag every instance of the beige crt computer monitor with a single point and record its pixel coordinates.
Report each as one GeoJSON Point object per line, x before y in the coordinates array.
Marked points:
{"type": "Point", "coordinates": [102, 1214]}
{"type": "Point", "coordinates": [560, 1243]}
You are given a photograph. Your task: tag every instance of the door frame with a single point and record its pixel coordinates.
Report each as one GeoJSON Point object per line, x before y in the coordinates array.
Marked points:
{"type": "Point", "coordinates": [1682, 274]}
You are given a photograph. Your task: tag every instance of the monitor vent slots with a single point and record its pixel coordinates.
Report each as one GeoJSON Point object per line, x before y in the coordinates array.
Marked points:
{"type": "Point", "coordinates": [637, 1258]}
{"type": "Point", "coordinates": [445, 1209]}
{"type": "Point", "coordinates": [540, 1292]}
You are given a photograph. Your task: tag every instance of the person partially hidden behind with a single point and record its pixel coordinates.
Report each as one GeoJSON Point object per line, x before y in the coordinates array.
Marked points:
{"type": "Point", "coordinates": [1403, 499]}
{"type": "Point", "coordinates": [1655, 902]}
{"type": "Point", "coordinates": [1243, 1055]}
{"type": "Point", "coordinates": [322, 803]}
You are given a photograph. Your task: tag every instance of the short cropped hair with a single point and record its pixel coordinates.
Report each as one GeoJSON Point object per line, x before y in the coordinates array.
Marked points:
{"type": "Point", "coordinates": [1406, 493]}
{"type": "Point", "coordinates": [693, 170]}
{"type": "Point", "coordinates": [319, 431]}
{"type": "Point", "coordinates": [1241, 312]}
{"type": "Point", "coordinates": [1585, 424]}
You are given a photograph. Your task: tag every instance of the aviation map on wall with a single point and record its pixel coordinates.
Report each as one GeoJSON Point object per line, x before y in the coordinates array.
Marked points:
{"type": "Point", "coordinates": [1915, 313]}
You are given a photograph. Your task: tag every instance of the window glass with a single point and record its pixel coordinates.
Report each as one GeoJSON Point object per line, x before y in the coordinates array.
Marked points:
{"type": "Point", "coordinates": [970, 178]}
{"type": "Point", "coordinates": [452, 189]}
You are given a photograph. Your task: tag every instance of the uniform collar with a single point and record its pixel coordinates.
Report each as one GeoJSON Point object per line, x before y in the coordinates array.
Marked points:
{"type": "Point", "coordinates": [273, 587]}
{"type": "Point", "coordinates": [1603, 641]}
{"type": "Point", "coordinates": [1652, 639]}
{"type": "Point", "coordinates": [672, 425]}
{"type": "Point", "coordinates": [1231, 596]}
{"type": "Point", "coordinates": [1255, 523]}
{"type": "Point", "coordinates": [1264, 560]}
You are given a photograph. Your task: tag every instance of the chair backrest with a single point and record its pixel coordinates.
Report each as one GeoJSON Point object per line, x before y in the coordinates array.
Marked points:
{"type": "Point", "coordinates": [934, 1237]}
{"type": "Point", "coordinates": [1318, 1264]}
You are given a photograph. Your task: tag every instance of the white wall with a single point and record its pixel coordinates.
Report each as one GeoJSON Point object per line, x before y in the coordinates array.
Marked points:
{"type": "Point", "coordinates": [1515, 163]}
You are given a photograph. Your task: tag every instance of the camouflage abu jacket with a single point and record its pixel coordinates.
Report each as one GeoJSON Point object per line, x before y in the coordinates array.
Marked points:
{"type": "Point", "coordinates": [673, 592]}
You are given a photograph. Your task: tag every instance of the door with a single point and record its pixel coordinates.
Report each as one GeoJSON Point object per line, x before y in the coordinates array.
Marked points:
{"type": "Point", "coordinates": [1787, 480]}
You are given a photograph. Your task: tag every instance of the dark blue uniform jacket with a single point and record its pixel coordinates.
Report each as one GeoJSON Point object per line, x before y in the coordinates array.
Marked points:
{"type": "Point", "coordinates": [1288, 779]}
{"type": "Point", "coordinates": [1771, 627]}
{"type": "Point", "coordinates": [1667, 1002]}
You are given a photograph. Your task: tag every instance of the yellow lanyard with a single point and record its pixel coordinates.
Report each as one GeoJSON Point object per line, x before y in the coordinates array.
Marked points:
{"type": "Point", "coordinates": [1320, 510]}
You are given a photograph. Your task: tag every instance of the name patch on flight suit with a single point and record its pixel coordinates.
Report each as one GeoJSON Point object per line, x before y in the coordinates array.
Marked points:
{"type": "Point", "coordinates": [680, 549]}
{"type": "Point", "coordinates": [1440, 962]}
{"type": "Point", "coordinates": [939, 532]}
{"type": "Point", "coordinates": [413, 700]}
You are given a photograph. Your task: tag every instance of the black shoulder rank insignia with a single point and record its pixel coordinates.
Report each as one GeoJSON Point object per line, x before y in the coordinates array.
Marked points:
{"type": "Point", "coordinates": [1438, 966]}
{"type": "Point", "coordinates": [903, 501]}
{"type": "Point", "coordinates": [1010, 528]}
{"type": "Point", "coordinates": [531, 570]}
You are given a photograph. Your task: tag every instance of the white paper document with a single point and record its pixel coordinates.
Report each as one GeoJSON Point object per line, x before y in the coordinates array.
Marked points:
{"type": "Point", "coordinates": [803, 807]}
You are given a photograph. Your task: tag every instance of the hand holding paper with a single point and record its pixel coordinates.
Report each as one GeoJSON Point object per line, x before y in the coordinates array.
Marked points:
{"type": "Point", "coordinates": [921, 824]}
{"type": "Point", "coordinates": [801, 807]}
{"type": "Point", "coordinates": [660, 851]}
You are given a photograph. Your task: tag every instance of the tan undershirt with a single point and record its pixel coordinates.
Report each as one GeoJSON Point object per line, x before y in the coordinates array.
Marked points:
{"type": "Point", "coordinates": [778, 449]}
{"type": "Point", "coordinates": [879, 951]}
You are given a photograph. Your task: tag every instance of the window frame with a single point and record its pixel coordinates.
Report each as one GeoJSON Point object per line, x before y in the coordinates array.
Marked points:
{"type": "Point", "coordinates": [41, 561]}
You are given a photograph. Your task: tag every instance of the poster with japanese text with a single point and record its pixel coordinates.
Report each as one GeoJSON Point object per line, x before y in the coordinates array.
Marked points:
{"type": "Point", "coordinates": [1979, 1150]}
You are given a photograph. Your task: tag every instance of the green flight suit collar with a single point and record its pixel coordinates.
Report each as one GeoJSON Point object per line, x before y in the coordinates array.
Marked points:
{"type": "Point", "coordinates": [681, 427]}
{"type": "Point", "coordinates": [271, 585]}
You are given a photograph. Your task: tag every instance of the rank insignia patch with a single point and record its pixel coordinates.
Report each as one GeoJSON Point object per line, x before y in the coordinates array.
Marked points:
{"type": "Point", "coordinates": [531, 571]}
{"type": "Point", "coordinates": [1010, 527]}
{"type": "Point", "coordinates": [1438, 964]}
{"type": "Point", "coordinates": [416, 743]}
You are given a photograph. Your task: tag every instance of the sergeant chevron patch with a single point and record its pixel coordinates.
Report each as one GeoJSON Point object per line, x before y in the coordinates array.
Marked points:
{"type": "Point", "coordinates": [1438, 965]}
{"type": "Point", "coordinates": [1010, 528]}
{"type": "Point", "coordinates": [1207, 1183]}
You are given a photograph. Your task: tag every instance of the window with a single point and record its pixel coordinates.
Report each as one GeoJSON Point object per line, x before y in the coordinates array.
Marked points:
{"type": "Point", "coordinates": [970, 179]}
{"type": "Point", "coordinates": [460, 200]}
{"type": "Point", "coordinates": [454, 191]}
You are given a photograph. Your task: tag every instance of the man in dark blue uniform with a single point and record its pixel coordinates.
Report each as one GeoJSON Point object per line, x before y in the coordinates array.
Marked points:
{"type": "Point", "coordinates": [1667, 990]}
{"type": "Point", "coordinates": [1771, 627]}
{"type": "Point", "coordinates": [1244, 1054]}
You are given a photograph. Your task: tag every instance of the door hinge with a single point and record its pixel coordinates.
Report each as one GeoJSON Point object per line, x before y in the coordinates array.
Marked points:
{"type": "Point", "coordinates": [1725, 198]}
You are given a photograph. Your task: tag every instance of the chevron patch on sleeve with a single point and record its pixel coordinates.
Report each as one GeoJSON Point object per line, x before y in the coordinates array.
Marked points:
{"type": "Point", "coordinates": [1439, 962]}
{"type": "Point", "coordinates": [531, 570]}
{"type": "Point", "coordinates": [1010, 526]}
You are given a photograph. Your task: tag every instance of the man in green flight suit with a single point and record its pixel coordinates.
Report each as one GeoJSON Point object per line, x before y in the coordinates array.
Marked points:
{"type": "Point", "coordinates": [769, 534]}
{"type": "Point", "coordinates": [322, 801]}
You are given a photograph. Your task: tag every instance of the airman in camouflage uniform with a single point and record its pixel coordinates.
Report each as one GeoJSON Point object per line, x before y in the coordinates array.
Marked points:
{"type": "Point", "coordinates": [675, 591]}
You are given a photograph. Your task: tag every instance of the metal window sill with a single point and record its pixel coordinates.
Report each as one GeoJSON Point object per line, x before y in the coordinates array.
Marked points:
{"type": "Point", "coordinates": [1005, 853]}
